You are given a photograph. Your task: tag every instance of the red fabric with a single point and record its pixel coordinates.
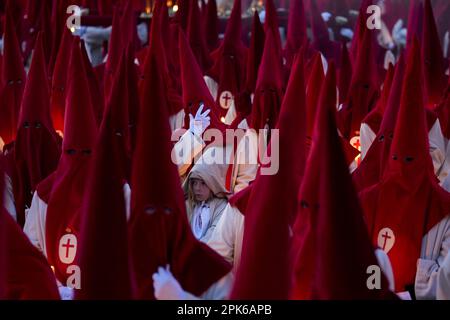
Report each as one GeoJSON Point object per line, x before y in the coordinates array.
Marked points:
{"type": "Point", "coordinates": [96, 94]}
{"type": "Point", "coordinates": [103, 258]}
{"type": "Point", "coordinates": [118, 111]}
{"type": "Point", "coordinates": [415, 21]}
{"type": "Point", "coordinates": [443, 112]}
{"type": "Point", "coordinates": [29, 275]}
{"type": "Point", "coordinates": [374, 117]}
{"type": "Point", "coordinates": [296, 30]}
{"type": "Point", "coordinates": [364, 88]}
{"type": "Point", "coordinates": [196, 37]}
{"type": "Point", "coordinates": [72, 172]}
{"type": "Point", "coordinates": [159, 230]}
{"type": "Point", "coordinates": [339, 250]}
{"type": "Point", "coordinates": [329, 234]}
{"type": "Point", "coordinates": [194, 87]}
{"type": "Point", "coordinates": [114, 51]}
{"type": "Point", "coordinates": [13, 79]}
{"type": "Point", "coordinates": [59, 81]}
{"type": "Point", "coordinates": [211, 25]}
{"type": "Point", "coordinates": [265, 269]}
{"type": "Point", "coordinates": [372, 166]}
{"type": "Point", "coordinates": [433, 59]}
{"type": "Point", "coordinates": [3, 251]}
{"type": "Point", "coordinates": [230, 60]}
{"type": "Point", "coordinates": [330, 49]}
{"type": "Point", "coordinates": [182, 15]}
{"type": "Point", "coordinates": [58, 23]}
{"type": "Point", "coordinates": [315, 81]}
{"type": "Point", "coordinates": [240, 199]}
{"type": "Point", "coordinates": [269, 87]}
{"type": "Point", "coordinates": [271, 24]}
{"type": "Point", "coordinates": [132, 97]}
{"type": "Point", "coordinates": [24, 271]}
{"type": "Point", "coordinates": [345, 73]}
{"type": "Point", "coordinates": [255, 53]}
{"type": "Point", "coordinates": [37, 147]}
{"type": "Point", "coordinates": [158, 32]}
{"type": "Point", "coordinates": [408, 199]}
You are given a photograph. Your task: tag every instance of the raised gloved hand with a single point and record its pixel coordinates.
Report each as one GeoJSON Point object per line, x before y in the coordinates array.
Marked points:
{"type": "Point", "coordinates": [66, 293]}
{"type": "Point", "coordinates": [166, 287]}
{"type": "Point", "coordinates": [201, 122]}
{"type": "Point", "coordinates": [399, 33]}
{"type": "Point", "coordinates": [326, 16]}
{"type": "Point", "coordinates": [347, 33]}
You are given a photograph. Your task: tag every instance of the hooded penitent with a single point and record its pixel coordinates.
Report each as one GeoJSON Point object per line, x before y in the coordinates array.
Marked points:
{"type": "Point", "coordinates": [159, 230]}
{"type": "Point", "coordinates": [37, 147]}
{"type": "Point", "coordinates": [408, 201]}
{"type": "Point", "coordinates": [265, 268]}
{"type": "Point", "coordinates": [69, 180]}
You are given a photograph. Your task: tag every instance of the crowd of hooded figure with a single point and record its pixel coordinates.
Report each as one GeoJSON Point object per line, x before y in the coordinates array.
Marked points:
{"type": "Point", "coordinates": [112, 188]}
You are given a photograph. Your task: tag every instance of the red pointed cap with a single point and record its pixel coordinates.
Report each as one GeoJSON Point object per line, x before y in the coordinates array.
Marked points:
{"type": "Point", "coordinates": [313, 89]}
{"type": "Point", "coordinates": [345, 74]}
{"type": "Point", "coordinates": [159, 230]}
{"type": "Point", "coordinates": [233, 32]}
{"type": "Point", "coordinates": [372, 167]}
{"type": "Point", "coordinates": [80, 124]}
{"type": "Point", "coordinates": [197, 38]}
{"type": "Point", "coordinates": [433, 57]}
{"type": "Point", "coordinates": [13, 69]}
{"type": "Point", "coordinates": [410, 147]}
{"type": "Point", "coordinates": [59, 81]}
{"type": "Point", "coordinates": [297, 26]}
{"type": "Point", "coordinates": [415, 21]}
{"type": "Point", "coordinates": [264, 272]}
{"type": "Point", "coordinates": [194, 87]}
{"type": "Point", "coordinates": [337, 205]}
{"type": "Point", "coordinates": [269, 87]}
{"type": "Point", "coordinates": [103, 237]}
{"type": "Point", "coordinates": [211, 25]}
{"type": "Point", "coordinates": [255, 53]}
{"type": "Point", "coordinates": [36, 101]}
{"type": "Point", "coordinates": [271, 23]}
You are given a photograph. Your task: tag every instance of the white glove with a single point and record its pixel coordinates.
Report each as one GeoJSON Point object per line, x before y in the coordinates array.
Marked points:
{"type": "Point", "coordinates": [166, 287]}
{"type": "Point", "coordinates": [201, 121]}
{"type": "Point", "coordinates": [340, 20]}
{"type": "Point", "coordinates": [66, 293]}
{"type": "Point", "coordinates": [399, 33]}
{"type": "Point", "coordinates": [347, 32]}
{"type": "Point", "coordinates": [326, 16]}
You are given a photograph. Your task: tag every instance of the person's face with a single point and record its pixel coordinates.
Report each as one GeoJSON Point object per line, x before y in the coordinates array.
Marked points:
{"type": "Point", "coordinates": [200, 190]}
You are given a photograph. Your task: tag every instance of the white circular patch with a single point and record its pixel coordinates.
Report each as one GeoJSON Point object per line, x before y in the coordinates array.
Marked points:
{"type": "Point", "coordinates": [67, 248]}
{"type": "Point", "coordinates": [386, 239]}
{"type": "Point", "coordinates": [356, 143]}
{"type": "Point", "coordinates": [226, 98]}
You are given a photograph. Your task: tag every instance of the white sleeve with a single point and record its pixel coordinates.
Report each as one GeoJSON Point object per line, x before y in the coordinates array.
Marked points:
{"type": "Point", "coordinates": [366, 138]}
{"type": "Point", "coordinates": [34, 226]}
{"type": "Point", "coordinates": [386, 267]}
{"type": "Point", "coordinates": [127, 195]}
{"type": "Point", "coordinates": [428, 267]}
{"type": "Point", "coordinates": [437, 150]}
{"type": "Point", "coordinates": [223, 238]}
{"type": "Point", "coordinates": [443, 280]}
{"type": "Point", "coordinates": [186, 149]}
{"type": "Point", "coordinates": [9, 198]}
{"type": "Point", "coordinates": [246, 163]}
{"type": "Point", "coordinates": [212, 85]}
